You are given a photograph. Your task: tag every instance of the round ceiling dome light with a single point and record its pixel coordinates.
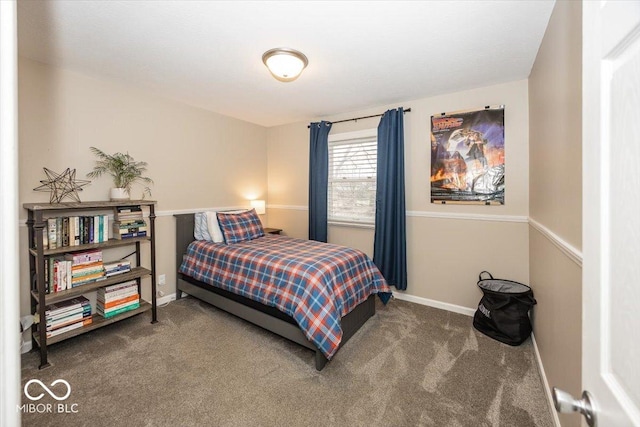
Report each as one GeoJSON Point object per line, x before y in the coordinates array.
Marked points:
{"type": "Point", "coordinates": [285, 64]}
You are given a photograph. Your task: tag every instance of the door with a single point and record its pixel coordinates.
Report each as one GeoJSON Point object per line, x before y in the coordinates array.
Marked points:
{"type": "Point", "coordinates": [611, 210]}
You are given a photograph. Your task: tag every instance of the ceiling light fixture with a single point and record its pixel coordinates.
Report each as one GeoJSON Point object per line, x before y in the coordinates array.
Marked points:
{"type": "Point", "coordinates": [285, 64]}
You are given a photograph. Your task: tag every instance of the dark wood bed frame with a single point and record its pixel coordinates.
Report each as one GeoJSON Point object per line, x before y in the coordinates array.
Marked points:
{"type": "Point", "coordinates": [259, 314]}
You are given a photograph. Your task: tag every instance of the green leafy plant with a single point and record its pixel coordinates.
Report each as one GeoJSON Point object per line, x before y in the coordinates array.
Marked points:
{"type": "Point", "coordinates": [123, 168]}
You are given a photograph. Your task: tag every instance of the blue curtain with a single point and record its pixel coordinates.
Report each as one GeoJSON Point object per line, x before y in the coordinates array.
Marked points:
{"type": "Point", "coordinates": [318, 180]}
{"type": "Point", "coordinates": [390, 241]}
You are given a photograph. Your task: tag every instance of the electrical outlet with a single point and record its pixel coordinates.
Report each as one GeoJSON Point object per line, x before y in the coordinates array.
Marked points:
{"type": "Point", "coordinates": [162, 279]}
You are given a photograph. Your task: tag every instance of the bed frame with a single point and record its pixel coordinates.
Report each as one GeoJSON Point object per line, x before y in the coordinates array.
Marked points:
{"type": "Point", "coordinates": [259, 314]}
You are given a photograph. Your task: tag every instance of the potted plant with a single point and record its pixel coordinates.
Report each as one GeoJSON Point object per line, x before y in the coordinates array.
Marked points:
{"type": "Point", "coordinates": [124, 170]}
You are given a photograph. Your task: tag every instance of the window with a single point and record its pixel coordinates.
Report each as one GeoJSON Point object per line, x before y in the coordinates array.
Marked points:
{"type": "Point", "coordinates": [352, 177]}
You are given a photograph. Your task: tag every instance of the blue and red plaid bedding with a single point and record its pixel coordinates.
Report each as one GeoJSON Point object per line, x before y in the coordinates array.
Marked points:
{"type": "Point", "coordinates": [315, 283]}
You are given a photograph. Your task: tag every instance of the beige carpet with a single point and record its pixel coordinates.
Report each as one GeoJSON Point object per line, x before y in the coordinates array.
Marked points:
{"type": "Point", "coordinates": [409, 365]}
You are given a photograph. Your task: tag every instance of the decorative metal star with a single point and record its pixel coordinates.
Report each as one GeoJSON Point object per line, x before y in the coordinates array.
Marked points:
{"type": "Point", "coordinates": [62, 185]}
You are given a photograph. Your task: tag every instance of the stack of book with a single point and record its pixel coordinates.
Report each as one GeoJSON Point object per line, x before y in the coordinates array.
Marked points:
{"type": "Point", "coordinates": [57, 274]}
{"type": "Point", "coordinates": [86, 267]}
{"type": "Point", "coordinates": [76, 230]}
{"type": "Point", "coordinates": [128, 223]}
{"type": "Point", "coordinates": [117, 267]}
{"type": "Point", "coordinates": [115, 299]}
{"type": "Point", "coordinates": [67, 315]}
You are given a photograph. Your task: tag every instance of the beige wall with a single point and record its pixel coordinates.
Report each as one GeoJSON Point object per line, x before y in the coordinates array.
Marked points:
{"type": "Point", "coordinates": [198, 159]}
{"type": "Point", "coordinates": [556, 196]}
{"type": "Point", "coordinates": [445, 255]}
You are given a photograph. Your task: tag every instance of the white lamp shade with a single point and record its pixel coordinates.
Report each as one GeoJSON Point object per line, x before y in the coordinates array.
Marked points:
{"type": "Point", "coordinates": [259, 206]}
{"type": "Point", "coordinates": [285, 64]}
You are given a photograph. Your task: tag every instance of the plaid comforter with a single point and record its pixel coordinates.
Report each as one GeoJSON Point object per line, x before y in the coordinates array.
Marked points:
{"type": "Point", "coordinates": [315, 283]}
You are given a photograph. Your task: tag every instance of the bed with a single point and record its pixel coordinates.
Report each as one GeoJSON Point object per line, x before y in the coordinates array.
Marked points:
{"type": "Point", "coordinates": [233, 288]}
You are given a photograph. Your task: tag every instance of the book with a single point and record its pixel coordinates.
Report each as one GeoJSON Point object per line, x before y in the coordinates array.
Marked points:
{"type": "Point", "coordinates": [72, 240]}
{"type": "Point", "coordinates": [105, 228]}
{"type": "Point", "coordinates": [46, 276]}
{"type": "Point", "coordinates": [85, 230]}
{"type": "Point", "coordinates": [66, 305]}
{"type": "Point", "coordinates": [117, 268]}
{"type": "Point", "coordinates": [85, 257]}
{"type": "Point", "coordinates": [77, 281]}
{"type": "Point", "coordinates": [79, 319]}
{"type": "Point", "coordinates": [81, 230]}
{"type": "Point", "coordinates": [125, 213]}
{"type": "Point", "coordinates": [58, 316]}
{"type": "Point", "coordinates": [63, 269]}
{"type": "Point", "coordinates": [90, 230]}
{"type": "Point", "coordinates": [86, 274]}
{"type": "Point", "coordinates": [128, 209]}
{"type": "Point", "coordinates": [130, 235]}
{"type": "Point", "coordinates": [137, 220]}
{"type": "Point", "coordinates": [67, 320]}
{"type": "Point", "coordinates": [52, 318]}
{"type": "Point", "coordinates": [117, 286]}
{"type": "Point", "coordinates": [96, 226]}
{"type": "Point", "coordinates": [132, 230]}
{"type": "Point", "coordinates": [115, 272]}
{"type": "Point", "coordinates": [79, 269]}
{"type": "Point", "coordinates": [69, 328]}
{"type": "Point", "coordinates": [65, 231]}
{"type": "Point", "coordinates": [134, 225]}
{"type": "Point", "coordinates": [57, 281]}
{"type": "Point", "coordinates": [116, 264]}
{"type": "Point", "coordinates": [115, 312]}
{"type": "Point", "coordinates": [115, 296]}
{"type": "Point", "coordinates": [58, 231]}
{"type": "Point", "coordinates": [51, 233]}
{"type": "Point", "coordinates": [104, 309]}
{"type": "Point", "coordinates": [120, 302]}
{"type": "Point", "coordinates": [76, 231]}
{"type": "Point", "coordinates": [101, 229]}
{"type": "Point", "coordinates": [130, 286]}
{"type": "Point", "coordinates": [52, 273]}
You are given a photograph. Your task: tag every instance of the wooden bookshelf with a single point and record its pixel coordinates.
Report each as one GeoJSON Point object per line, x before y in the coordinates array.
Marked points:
{"type": "Point", "coordinates": [38, 255]}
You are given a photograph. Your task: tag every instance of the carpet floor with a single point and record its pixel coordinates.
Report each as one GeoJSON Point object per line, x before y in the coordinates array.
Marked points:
{"type": "Point", "coordinates": [409, 365]}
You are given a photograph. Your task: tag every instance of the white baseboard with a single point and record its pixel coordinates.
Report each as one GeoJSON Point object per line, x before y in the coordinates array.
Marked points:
{"type": "Point", "coordinates": [166, 299]}
{"type": "Point", "coordinates": [436, 304]}
{"type": "Point", "coordinates": [545, 383]}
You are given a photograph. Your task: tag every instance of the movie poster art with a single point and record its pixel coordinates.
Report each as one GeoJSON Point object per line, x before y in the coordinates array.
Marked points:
{"type": "Point", "coordinates": [467, 157]}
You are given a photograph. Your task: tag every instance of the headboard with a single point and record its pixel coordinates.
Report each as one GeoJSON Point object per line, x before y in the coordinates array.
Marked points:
{"type": "Point", "coordinates": [184, 235]}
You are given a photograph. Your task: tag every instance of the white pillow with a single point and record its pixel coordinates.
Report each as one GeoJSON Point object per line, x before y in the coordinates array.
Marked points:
{"type": "Point", "coordinates": [213, 226]}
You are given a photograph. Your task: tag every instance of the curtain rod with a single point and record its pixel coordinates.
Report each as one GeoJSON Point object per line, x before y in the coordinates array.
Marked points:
{"type": "Point", "coordinates": [408, 110]}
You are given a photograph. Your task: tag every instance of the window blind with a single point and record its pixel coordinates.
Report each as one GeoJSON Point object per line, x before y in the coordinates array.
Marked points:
{"type": "Point", "coordinates": [352, 180]}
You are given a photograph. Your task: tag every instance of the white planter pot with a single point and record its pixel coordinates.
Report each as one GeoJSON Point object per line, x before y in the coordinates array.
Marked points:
{"type": "Point", "coordinates": [119, 194]}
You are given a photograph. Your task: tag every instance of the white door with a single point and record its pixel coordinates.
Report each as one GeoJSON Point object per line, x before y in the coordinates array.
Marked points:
{"type": "Point", "coordinates": [611, 210]}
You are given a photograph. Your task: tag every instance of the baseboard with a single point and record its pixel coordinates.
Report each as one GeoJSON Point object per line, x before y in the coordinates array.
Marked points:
{"type": "Point", "coordinates": [436, 304]}
{"type": "Point", "coordinates": [545, 383]}
{"type": "Point", "coordinates": [166, 299]}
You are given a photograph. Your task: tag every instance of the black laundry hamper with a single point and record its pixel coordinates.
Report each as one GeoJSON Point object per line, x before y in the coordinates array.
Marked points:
{"type": "Point", "coordinates": [503, 311]}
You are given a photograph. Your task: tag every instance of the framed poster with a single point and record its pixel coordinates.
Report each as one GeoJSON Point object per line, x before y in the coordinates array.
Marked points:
{"type": "Point", "coordinates": [467, 157]}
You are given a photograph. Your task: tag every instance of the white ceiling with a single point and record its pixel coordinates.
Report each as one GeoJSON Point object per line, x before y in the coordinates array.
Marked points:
{"type": "Point", "coordinates": [361, 54]}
